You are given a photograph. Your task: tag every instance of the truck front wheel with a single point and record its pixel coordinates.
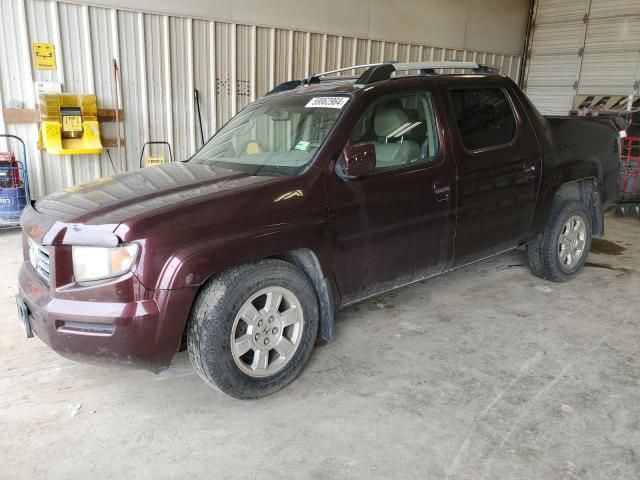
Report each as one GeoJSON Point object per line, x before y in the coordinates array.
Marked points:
{"type": "Point", "coordinates": [252, 328]}
{"type": "Point", "coordinates": [561, 250]}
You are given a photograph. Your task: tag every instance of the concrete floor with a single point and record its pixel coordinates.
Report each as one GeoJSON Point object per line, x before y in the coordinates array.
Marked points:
{"type": "Point", "coordinates": [484, 373]}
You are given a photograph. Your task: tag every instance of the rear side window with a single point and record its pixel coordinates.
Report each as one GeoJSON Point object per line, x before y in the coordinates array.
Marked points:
{"type": "Point", "coordinates": [484, 115]}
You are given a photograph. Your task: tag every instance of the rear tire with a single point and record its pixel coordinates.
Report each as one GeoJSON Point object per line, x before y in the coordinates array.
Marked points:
{"type": "Point", "coordinates": [561, 250]}
{"type": "Point", "coordinates": [252, 328]}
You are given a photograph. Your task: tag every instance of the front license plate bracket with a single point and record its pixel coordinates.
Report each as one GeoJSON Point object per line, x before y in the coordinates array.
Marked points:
{"type": "Point", "coordinates": [23, 316]}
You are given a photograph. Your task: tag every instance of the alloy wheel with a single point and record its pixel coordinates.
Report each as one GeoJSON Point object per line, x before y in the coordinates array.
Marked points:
{"type": "Point", "coordinates": [572, 241]}
{"type": "Point", "coordinates": [267, 332]}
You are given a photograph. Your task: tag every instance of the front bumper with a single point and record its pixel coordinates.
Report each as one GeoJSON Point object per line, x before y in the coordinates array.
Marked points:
{"type": "Point", "coordinates": [143, 333]}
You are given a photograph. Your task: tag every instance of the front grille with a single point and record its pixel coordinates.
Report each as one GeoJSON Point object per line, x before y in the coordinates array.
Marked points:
{"type": "Point", "coordinates": [39, 258]}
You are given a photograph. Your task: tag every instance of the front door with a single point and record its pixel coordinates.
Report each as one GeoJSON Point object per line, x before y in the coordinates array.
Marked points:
{"type": "Point", "coordinates": [393, 226]}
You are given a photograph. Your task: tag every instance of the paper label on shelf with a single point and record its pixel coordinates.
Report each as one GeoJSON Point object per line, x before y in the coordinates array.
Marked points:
{"type": "Point", "coordinates": [71, 123]}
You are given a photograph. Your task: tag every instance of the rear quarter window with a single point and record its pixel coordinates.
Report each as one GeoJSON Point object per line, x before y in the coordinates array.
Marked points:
{"type": "Point", "coordinates": [484, 116]}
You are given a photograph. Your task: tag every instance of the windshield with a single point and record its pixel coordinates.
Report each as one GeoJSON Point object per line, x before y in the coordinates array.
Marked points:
{"type": "Point", "coordinates": [277, 135]}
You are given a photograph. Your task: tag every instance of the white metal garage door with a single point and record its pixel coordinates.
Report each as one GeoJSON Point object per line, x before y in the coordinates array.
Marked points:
{"type": "Point", "coordinates": [589, 47]}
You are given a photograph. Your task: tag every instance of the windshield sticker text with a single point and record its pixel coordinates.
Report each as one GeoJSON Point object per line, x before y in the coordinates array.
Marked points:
{"type": "Point", "coordinates": [327, 102]}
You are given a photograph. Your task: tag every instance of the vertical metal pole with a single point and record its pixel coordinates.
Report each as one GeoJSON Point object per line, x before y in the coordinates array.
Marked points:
{"type": "Point", "coordinates": [89, 65]}
{"type": "Point", "coordinates": [191, 87]}
{"type": "Point", "coordinates": [307, 54]}
{"type": "Point", "coordinates": [323, 56]}
{"type": "Point", "coordinates": [213, 124]}
{"type": "Point", "coordinates": [68, 171]}
{"type": "Point", "coordinates": [233, 69]}
{"type": "Point", "coordinates": [167, 80]}
{"type": "Point", "coordinates": [354, 54]}
{"type": "Point", "coordinates": [142, 69]}
{"type": "Point", "coordinates": [272, 58]}
{"type": "Point", "coordinates": [115, 50]}
{"type": "Point", "coordinates": [55, 29]}
{"type": "Point", "coordinates": [290, 55]}
{"type": "Point", "coordinates": [252, 62]}
{"type": "Point", "coordinates": [523, 63]}
{"type": "Point", "coordinates": [29, 97]}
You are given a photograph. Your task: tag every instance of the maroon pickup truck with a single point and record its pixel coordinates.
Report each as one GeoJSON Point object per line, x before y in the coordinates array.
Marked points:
{"type": "Point", "coordinates": [327, 191]}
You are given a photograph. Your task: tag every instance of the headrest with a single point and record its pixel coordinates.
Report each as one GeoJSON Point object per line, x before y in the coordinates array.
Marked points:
{"type": "Point", "coordinates": [389, 119]}
{"type": "Point", "coordinates": [412, 114]}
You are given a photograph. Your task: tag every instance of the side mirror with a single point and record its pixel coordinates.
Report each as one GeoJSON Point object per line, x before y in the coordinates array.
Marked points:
{"type": "Point", "coordinates": [356, 160]}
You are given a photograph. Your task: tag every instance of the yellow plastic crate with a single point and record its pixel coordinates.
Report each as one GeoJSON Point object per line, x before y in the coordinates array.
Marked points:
{"type": "Point", "coordinates": [69, 124]}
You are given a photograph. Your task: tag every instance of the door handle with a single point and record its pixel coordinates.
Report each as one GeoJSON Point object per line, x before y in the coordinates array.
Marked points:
{"type": "Point", "coordinates": [529, 167]}
{"type": "Point", "coordinates": [442, 190]}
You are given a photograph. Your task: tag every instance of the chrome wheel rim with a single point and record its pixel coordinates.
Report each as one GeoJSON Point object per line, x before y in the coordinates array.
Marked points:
{"type": "Point", "coordinates": [572, 242]}
{"type": "Point", "coordinates": [267, 332]}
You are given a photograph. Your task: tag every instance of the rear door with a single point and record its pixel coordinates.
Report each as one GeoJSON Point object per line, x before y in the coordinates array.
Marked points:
{"type": "Point", "coordinates": [498, 163]}
{"type": "Point", "coordinates": [395, 225]}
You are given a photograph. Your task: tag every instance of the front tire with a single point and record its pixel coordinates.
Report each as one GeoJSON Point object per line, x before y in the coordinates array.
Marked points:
{"type": "Point", "coordinates": [561, 250]}
{"type": "Point", "coordinates": [252, 328]}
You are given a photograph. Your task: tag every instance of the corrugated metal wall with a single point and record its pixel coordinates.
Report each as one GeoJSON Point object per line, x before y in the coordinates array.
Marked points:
{"type": "Point", "coordinates": [162, 59]}
{"type": "Point", "coordinates": [586, 47]}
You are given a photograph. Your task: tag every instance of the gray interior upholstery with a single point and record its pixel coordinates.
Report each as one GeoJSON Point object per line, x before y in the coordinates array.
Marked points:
{"type": "Point", "coordinates": [388, 119]}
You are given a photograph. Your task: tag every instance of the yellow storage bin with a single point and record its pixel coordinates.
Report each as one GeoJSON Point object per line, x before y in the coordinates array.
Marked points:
{"type": "Point", "coordinates": [69, 124]}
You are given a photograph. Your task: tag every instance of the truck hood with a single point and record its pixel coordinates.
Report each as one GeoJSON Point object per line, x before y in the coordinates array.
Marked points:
{"type": "Point", "coordinates": [112, 200]}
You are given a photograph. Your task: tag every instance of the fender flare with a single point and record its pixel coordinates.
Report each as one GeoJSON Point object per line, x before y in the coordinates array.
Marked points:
{"type": "Point", "coordinates": [307, 261]}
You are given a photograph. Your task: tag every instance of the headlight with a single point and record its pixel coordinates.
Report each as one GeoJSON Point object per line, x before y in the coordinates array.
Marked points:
{"type": "Point", "coordinates": [97, 263]}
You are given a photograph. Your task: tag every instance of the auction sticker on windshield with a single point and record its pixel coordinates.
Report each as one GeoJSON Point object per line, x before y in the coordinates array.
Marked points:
{"type": "Point", "coordinates": [327, 102]}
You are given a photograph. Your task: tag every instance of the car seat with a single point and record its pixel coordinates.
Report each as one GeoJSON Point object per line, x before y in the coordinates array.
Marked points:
{"type": "Point", "coordinates": [390, 150]}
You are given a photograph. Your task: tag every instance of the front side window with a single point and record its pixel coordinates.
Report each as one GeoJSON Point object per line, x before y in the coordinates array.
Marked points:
{"type": "Point", "coordinates": [484, 116]}
{"type": "Point", "coordinates": [402, 130]}
{"type": "Point", "coordinates": [277, 135]}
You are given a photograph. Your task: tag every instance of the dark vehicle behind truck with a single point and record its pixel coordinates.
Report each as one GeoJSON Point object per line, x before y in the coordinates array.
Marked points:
{"type": "Point", "coordinates": [325, 192]}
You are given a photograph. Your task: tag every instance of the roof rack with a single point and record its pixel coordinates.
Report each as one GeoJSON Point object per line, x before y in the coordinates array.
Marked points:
{"type": "Point", "coordinates": [315, 78]}
{"type": "Point", "coordinates": [383, 71]}
{"type": "Point", "coordinates": [377, 72]}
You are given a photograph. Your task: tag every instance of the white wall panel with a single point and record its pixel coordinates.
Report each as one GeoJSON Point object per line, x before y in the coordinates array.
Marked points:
{"type": "Point", "coordinates": [104, 49]}
{"type": "Point", "coordinates": [181, 106]}
{"type": "Point", "coordinates": [204, 75]}
{"type": "Point", "coordinates": [611, 50]}
{"type": "Point", "coordinates": [560, 10]}
{"type": "Point", "coordinates": [492, 25]}
{"type": "Point", "coordinates": [608, 73]}
{"type": "Point", "coordinates": [583, 47]}
{"type": "Point", "coordinates": [558, 38]}
{"type": "Point", "coordinates": [156, 72]}
{"type": "Point", "coordinates": [132, 87]}
{"type": "Point", "coordinates": [16, 82]}
{"type": "Point", "coordinates": [617, 8]}
{"type": "Point", "coordinates": [161, 59]}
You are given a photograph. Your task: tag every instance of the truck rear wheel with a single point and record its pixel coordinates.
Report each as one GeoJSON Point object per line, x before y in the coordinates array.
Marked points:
{"type": "Point", "coordinates": [561, 250]}
{"type": "Point", "coordinates": [252, 328]}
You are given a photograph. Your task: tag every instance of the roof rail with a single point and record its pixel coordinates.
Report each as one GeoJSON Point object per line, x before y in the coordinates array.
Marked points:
{"type": "Point", "coordinates": [377, 72]}
{"type": "Point", "coordinates": [315, 78]}
{"type": "Point", "coordinates": [380, 72]}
